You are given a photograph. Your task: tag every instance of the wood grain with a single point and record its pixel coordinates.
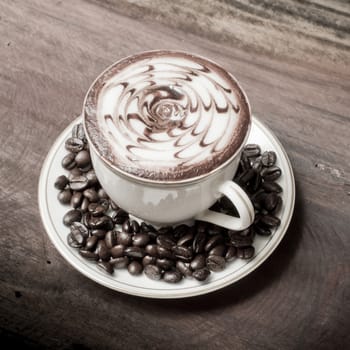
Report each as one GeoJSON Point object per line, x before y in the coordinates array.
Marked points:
{"type": "Point", "coordinates": [292, 59]}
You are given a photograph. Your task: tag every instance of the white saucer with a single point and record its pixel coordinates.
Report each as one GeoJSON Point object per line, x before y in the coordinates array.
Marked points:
{"type": "Point", "coordinates": [52, 212]}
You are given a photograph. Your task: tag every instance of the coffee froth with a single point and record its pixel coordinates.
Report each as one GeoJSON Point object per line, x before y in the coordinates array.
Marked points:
{"type": "Point", "coordinates": [166, 116]}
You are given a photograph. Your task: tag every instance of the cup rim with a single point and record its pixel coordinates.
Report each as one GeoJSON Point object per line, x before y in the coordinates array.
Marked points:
{"type": "Point", "coordinates": [157, 182]}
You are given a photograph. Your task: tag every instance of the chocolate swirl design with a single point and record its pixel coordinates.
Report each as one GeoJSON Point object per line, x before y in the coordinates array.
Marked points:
{"type": "Point", "coordinates": [166, 115]}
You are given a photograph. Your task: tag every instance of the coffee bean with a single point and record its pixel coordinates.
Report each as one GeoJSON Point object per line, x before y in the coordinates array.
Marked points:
{"type": "Point", "coordinates": [245, 252]}
{"type": "Point", "coordinates": [252, 150]}
{"type": "Point", "coordinates": [270, 221]}
{"type": "Point", "coordinates": [99, 233]}
{"type": "Point", "coordinates": [117, 251]}
{"type": "Point", "coordinates": [135, 268]}
{"type": "Point", "coordinates": [165, 264]}
{"type": "Point", "coordinates": [134, 252]}
{"type": "Point", "coordinates": [271, 174]}
{"type": "Point", "coordinates": [124, 238]}
{"type": "Point", "coordinates": [213, 241]}
{"type": "Point", "coordinates": [199, 242]}
{"type": "Point", "coordinates": [111, 239]}
{"type": "Point", "coordinates": [104, 203]}
{"type": "Point", "coordinates": [240, 239]}
{"type": "Point", "coordinates": [127, 226]}
{"type": "Point", "coordinates": [78, 183]}
{"type": "Point", "coordinates": [96, 209]}
{"type": "Point", "coordinates": [186, 239]}
{"type": "Point", "coordinates": [74, 172]}
{"type": "Point", "coordinates": [102, 250]}
{"type": "Point", "coordinates": [84, 205]}
{"type": "Point", "coordinates": [147, 260]}
{"type": "Point", "coordinates": [262, 231]}
{"type": "Point", "coordinates": [83, 159]}
{"type": "Point", "coordinates": [202, 274]}
{"type": "Point", "coordinates": [72, 242]}
{"type": "Point", "coordinates": [231, 253]}
{"type": "Point", "coordinates": [147, 228]}
{"type": "Point", "coordinates": [91, 242]}
{"type": "Point", "coordinates": [91, 178]}
{"type": "Point", "coordinates": [151, 249]}
{"type": "Point", "coordinates": [257, 165]}
{"type": "Point", "coordinates": [120, 216]}
{"type": "Point", "coordinates": [106, 266]}
{"type": "Point", "coordinates": [65, 196]}
{"type": "Point", "coordinates": [246, 176]}
{"type": "Point", "coordinates": [103, 195]}
{"type": "Point", "coordinates": [165, 241]}
{"type": "Point", "coordinates": [270, 201]}
{"type": "Point", "coordinates": [164, 253]}
{"type": "Point", "coordinates": [135, 226]}
{"type": "Point", "coordinates": [278, 206]}
{"type": "Point", "coordinates": [68, 162]}
{"type": "Point", "coordinates": [82, 229]}
{"type": "Point", "coordinates": [120, 263]}
{"type": "Point", "coordinates": [181, 230]}
{"type": "Point", "coordinates": [244, 162]}
{"type": "Point", "coordinates": [71, 216]}
{"type": "Point", "coordinates": [76, 200]}
{"type": "Point", "coordinates": [78, 132]}
{"type": "Point", "coordinates": [183, 253]}
{"type": "Point", "coordinates": [214, 230]}
{"type": "Point", "coordinates": [166, 230]}
{"type": "Point", "coordinates": [215, 263]}
{"type": "Point", "coordinates": [91, 195]}
{"type": "Point", "coordinates": [88, 255]}
{"type": "Point", "coordinates": [153, 272]}
{"type": "Point", "coordinates": [256, 183]}
{"type": "Point", "coordinates": [271, 187]}
{"type": "Point", "coordinates": [198, 262]}
{"type": "Point", "coordinates": [184, 268]}
{"type": "Point", "coordinates": [61, 182]}
{"type": "Point", "coordinates": [219, 250]}
{"type": "Point", "coordinates": [269, 158]}
{"type": "Point", "coordinates": [73, 144]}
{"type": "Point", "coordinates": [140, 239]}
{"type": "Point", "coordinates": [101, 222]}
{"type": "Point", "coordinates": [172, 276]}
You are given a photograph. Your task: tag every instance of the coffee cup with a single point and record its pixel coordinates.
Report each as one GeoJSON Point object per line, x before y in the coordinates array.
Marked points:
{"type": "Point", "coordinates": [166, 130]}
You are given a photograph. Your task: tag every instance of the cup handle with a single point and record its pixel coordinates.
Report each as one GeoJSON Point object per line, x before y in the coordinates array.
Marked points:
{"type": "Point", "coordinates": [242, 203]}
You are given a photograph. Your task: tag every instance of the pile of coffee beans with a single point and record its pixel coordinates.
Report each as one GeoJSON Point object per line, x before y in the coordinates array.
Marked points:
{"type": "Point", "coordinates": [105, 234]}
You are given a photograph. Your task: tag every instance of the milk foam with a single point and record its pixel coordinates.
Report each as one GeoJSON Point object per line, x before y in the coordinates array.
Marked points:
{"type": "Point", "coordinates": [166, 116]}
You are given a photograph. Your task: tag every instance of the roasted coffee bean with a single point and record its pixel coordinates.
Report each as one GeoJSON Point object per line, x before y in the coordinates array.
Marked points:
{"type": "Point", "coordinates": [91, 178]}
{"type": "Point", "coordinates": [103, 195]}
{"type": "Point", "coordinates": [140, 239]}
{"type": "Point", "coordinates": [262, 231]}
{"type": "Point", "coordinates": [85, 219]}
{"type": "Point", "coordinates": [184, 268]}
{"type": "Point", "coordinates": [99, 233]}
{"type": "Point", "coordinates": [181, 230]}
{"type": "Point", "coordinates": [102, 250]}
{"type": "Point", "coordinates": [101, 222]}
{"type": "Point", "coordinates": [78, 132]}
{"type": "Point", "coordinates": [269, 158]}
{"type": "Point", "coordinates": [186, 239]}
{"type": "Point", "coordinates": [147, 260]}
{"type": "Point", "coordinates": [117, 251]}
{"type": "Point", "coordinates": [91, 242]}
{"type": "Point", "coordinates": [78, 183]}
{"type": "Point", "coordinates": [96, 209]}
{"type": "Point", "coordinates": [76, 200]}
{"type": "Point", "coordinates": [183, 253]}
{"type": "Point", "coordinates": [252, 150]}
{"type": "Point", "coordinates": [172, 276]}
{"type": "Point", "coordinates": [104, 203]}
{"type": "Point", "coordinates": [215, 263]}
{"type": "Point", "coordinates": [74, 172]}
{"type": "Point", "coordinates": [134, 252]}
{"type": "Point", "coordinates": [84, 205]}
{"type": "Point", "coordinates": [106, 266]}
{"type": "Point", "coordinates": [258, 198]}
{"type": "Point", "coordinates": [244, 162]}
{"type": "Point", "coordinates": [270, 221]}
{"type": "Point", "coordinates": [219, 250]}
{"type": "Point", "coordinates": [83, 159]}
{"type": "Point", "coordinates": [278, 206]}
{"type": "Point", "coordinates": [257, 165]}
{"type": "Point", "coordinates": [213, 241]}
{"type": "Point", "coordinates": [271, 187]}
{"type": "Point", "coordinates": [147, 228]}
{"type": "Point", "coordinates": [270, 201]}
{"type": "Point", "coordinates": [202, 274]}
{"type": "Point", "coordinates": [164, 253]}
{"type": "Point", "coordinates": [239, 239]}
{"type": "Point", "coordinates": [135, 226]}
{"type": "Point", "coordinates": [127, 226]}
{"type": "Point", "coordinates": [246, 176]}
{"type": "Point", "coordinates": [198, 262]}
{"type": "Point", "coordinates": [124, 238]}
{"type": "Point", "coordinates": [165, 264]}
{"type": "Point", "coordinates": [61, 182]}
{"type": "Point", "coordinates": [199, 242]}
{"type": "Point", "coordinates": [73, 144]}
{"type": "Point", "coordinates": [214, 230]}
{"type": "Point", "coordinates": [91, 195]}
{"type": "Point", "coordinates": [71, 216]}
{"type": "Point", "coordinates": [135, 268]}
{"type": "Point", "coordinates": [68, 162]}
{"type": "Point", "coordinates": [79, 227]}
{"type": "Point", "coordinates": [245, 252]}
{"type": "Point", "coordinates": [256, 183]}
{"type": "Point", "coordinates": [88, 255]}
{"type": "Point", "coordinates": [165, 230]}
{"type": "Point", "coordinates": [271, 174]}
{"type": "Point", "coordinates": [72, 242]}
{"type": "Point", "coordinates": [111, 239]}
{"type": "Point", "coordinates": [78, 237]}
{"type": "Point", "coordinates": [65, 196]}
{"type": "Point", "coordinates": [151, 249]}
{"type": "Point", "coordinates": [231, 253]}
{"type": "Point", "coordinates": [153, 272]}
{"type": "Point", "coordinates": [165, 241]}
{"type": "Point", "coordinates": [120, 263]}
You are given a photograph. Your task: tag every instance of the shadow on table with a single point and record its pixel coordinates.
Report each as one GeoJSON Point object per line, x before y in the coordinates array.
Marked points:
{"type": "Point", "coordinates": [266, 274]}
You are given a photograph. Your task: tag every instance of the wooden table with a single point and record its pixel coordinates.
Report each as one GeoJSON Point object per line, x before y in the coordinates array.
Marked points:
{"type": "Point", "coordinates": [292, 59]}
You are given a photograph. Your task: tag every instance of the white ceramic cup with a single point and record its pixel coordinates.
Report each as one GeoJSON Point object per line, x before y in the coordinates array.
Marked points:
{"type": "Point", "coordinates": [172, 202]}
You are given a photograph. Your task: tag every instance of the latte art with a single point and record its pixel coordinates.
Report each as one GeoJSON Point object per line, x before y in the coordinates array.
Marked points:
{"type": "Point", "coordinates": [166, 115]}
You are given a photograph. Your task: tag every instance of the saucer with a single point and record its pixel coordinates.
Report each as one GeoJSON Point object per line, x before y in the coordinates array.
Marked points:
{"type": "Point", "coordinates": [52, 212]}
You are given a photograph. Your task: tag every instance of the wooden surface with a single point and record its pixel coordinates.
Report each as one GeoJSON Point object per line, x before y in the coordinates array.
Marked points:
{"type": "Point", "coordinates": [292, 58]}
